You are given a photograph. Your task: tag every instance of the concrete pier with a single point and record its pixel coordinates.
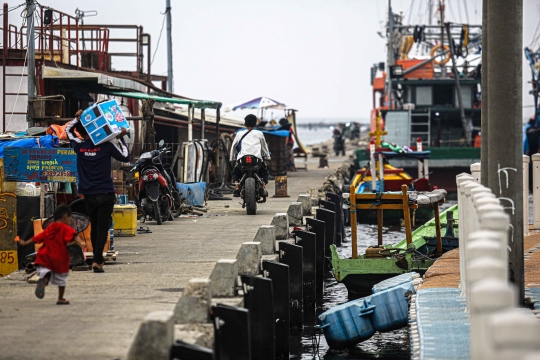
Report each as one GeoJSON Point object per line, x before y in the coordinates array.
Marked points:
{"type": "Point", "coordinates": [151, 274]}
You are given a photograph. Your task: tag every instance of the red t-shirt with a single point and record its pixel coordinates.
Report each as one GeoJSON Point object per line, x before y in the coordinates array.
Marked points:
{"type": "Point", "coordinates": [54, 254]}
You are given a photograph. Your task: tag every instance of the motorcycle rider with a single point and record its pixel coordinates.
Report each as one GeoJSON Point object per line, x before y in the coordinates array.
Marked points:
{"type": "Point", "coordinates": [249, 142]}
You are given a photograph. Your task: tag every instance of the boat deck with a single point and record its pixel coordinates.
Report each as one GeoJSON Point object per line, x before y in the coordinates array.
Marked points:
{"type": "Point", "coordinates": [438, 314]}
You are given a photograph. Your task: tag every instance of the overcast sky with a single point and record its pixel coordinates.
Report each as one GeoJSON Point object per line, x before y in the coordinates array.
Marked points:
{"type": "Point", "coordinates": [313, 55]}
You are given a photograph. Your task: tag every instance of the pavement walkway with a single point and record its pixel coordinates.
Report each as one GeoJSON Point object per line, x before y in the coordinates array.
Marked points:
{"type": "Point", "coordinates": [149, 275]}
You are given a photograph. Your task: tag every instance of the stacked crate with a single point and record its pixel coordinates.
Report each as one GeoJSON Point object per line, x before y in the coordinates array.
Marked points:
{"type": "Point", "coordinates": [277, 145]}
{"type": "Point", "coordinates": [118, 181]}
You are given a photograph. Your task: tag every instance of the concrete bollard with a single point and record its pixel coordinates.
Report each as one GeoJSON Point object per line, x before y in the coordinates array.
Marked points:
{"type": "Point", "coordinates": [491, 236]}
{"type": "Point", "coordinates": [196, 334]}
{"type": "Point", "coordinates": [497, 221]}
{"type": "Point", "coordinates": [536, 190]}
{"type": "Point", "coordinates": [475, 171]}
{"type": "Point", "coordinates": [266, 235]}
{"type": "Point", "coordinates": [526, 161]}
{"type": "Point", "coordinates": [483, 268]}
{"type": "Point", "coordinates": [314, 193]}
{"type": "Point", "coordinates": [486, 297]}
{"type": "Point", "coordinates": [483, 199]}
{"type": "Point", "coordinates": [487, 208]}
{"type": "Point", "coordinates": [305, 199]}
{"type": "Point", "coordinates": [281, 223]}
{"type": "Point", "coordinates": [224, 277]}
{"type": "Point", "coordinates": [295, 213]}
{"type": "Point", "coordinates": [194, 305]}
{"type": "Point", "coordinates": [460, 179]}
{"type": "Point", "coordinates": [154, 337]}
{"type": "Point", "coordinates": [512, 334]}
{"type": "Point", "coordinates": [249, 258]}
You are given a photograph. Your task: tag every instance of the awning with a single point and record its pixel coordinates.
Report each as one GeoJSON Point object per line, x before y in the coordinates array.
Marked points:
{"type": "Point", "coordinates": [199, 104]}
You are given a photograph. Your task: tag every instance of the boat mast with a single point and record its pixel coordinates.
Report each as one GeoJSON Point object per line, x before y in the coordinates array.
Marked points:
{"type": "Point", "coordinates": [390, 60]}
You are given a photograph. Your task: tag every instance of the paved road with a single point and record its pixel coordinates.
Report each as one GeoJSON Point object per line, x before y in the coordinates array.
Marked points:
{"type": "Point", "coordinates": [149, 275]}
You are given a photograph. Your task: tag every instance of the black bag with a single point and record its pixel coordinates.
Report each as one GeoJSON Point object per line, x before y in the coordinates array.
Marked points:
{"type": "Point", "coordinates": [239, 145]}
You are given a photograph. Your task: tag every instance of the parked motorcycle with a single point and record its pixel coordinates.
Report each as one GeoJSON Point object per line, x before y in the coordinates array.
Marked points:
{"type": "Point", "coordinates": [158, 197]}
{"type": "Point", "coordinates": [251, 185]}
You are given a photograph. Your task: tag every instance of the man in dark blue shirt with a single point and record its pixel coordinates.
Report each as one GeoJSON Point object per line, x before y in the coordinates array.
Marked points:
{"type": "Point", "coordinates": [95, 181]}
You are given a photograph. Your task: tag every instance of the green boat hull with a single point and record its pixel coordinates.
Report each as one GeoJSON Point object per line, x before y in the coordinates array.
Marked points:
{"type": "Point", "coordinates": [359, 275]}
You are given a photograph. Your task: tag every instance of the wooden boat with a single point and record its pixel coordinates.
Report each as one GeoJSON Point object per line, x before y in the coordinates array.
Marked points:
{"type": "Point", "coordinates": [417, 252]}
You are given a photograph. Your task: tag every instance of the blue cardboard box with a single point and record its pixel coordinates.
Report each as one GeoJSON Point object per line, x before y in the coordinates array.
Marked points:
{"type": "Point", "coordinates": [104, 121]}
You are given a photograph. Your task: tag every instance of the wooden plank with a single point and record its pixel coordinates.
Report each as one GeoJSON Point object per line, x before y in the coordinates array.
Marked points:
{"type": "Point", "coordinates": [375, 196]}
{"type": "Point", "coordinates": [406, 214]}
{"type": "Point", "coordinates": [380, 225]}
{"type": "Point", "coordinates": [384, 207]}
{"type": "Point", "coordinates": [353, 224]}
{"type": "Point", "coordinates": [438, 228]}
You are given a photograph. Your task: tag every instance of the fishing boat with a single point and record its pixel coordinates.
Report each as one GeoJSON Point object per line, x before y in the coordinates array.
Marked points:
{"type": "Point", "coordinates": [417, 252]}
{"type": "Point", "coordinates": [429, 89]}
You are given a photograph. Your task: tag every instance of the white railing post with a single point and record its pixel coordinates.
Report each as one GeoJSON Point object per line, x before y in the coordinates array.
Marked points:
{"type": "Point", "coordinates": [486, 297]}
{"type": "Point", "coordinates": [461, 179]}
{"type": "Point", "coordinates": [465, 224]}
{"type": "Point", "coordinates": [536, 190]}
{"type": "Point", "coordinates": [512, 334]}
{"type": "Point", "coordinates": [526, 161]}
{"type": "Point", "coordinates": [475, 171]}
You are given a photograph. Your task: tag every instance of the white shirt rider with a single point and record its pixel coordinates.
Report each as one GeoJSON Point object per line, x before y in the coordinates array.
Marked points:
{"type": "Point", "coordinates": [253, 143]}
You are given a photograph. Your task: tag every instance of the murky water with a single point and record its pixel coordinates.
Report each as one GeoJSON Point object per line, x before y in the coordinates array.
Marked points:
{"type": "Point", "coordinates": [390, 345]}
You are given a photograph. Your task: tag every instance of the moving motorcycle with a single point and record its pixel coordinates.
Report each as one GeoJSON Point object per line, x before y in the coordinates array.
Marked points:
{"type": "Point", "coordinates": [251, 185]}
{"type": "Point", "coordinates": [158, 197]}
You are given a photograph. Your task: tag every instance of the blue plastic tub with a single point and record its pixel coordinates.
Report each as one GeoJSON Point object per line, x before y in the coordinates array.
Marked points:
{"type": "Point", "coordinates": [194, 193]}
{"type": "Point", "coordinates": [347, 324]}
{"type": "Point", "coordinates": [390, 307]}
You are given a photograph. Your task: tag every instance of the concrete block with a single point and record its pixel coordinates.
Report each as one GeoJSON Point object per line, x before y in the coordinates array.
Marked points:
{"type": "Point", "coordinates": [289, 241]}
{"type": "Point", "coordinates": [223, 278]}
{"type": "Point", "coordinates": [195, 334]}
{"type": "Point", "coordinates": [295, 214]}
{"type": "Point", "coordinates": [314, 193]}
{"type": "Point", "coordinates": [305, 199]}
{"type": "Point", "coordinates": [194, 305]}
{"type": "Point", "coordinates": [249, 258]}
{"type": "Point", "coordinates": [266, 235]}
{"type": "Point", "coordinates": [232, 301]}
{"type": "Point", "coordinates": [154, 337]}
{"type": "Point", "coordinates": [274, 257]}
{"type": "Point", "coordinates": [281, 223]}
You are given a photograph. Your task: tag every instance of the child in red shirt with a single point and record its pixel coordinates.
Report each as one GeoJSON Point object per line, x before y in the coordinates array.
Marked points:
{"type": "Point", "coordinates": [52, 260]}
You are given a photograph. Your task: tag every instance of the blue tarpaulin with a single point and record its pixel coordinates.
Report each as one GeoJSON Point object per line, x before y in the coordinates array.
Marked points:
{"type": "Point", "coordinates": [47, 141]}
{"type": "Point", "coordinates": [268, 130]}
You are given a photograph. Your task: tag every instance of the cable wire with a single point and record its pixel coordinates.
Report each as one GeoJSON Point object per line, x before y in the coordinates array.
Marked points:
{"type": "Point", "coordinates": [159, 38]}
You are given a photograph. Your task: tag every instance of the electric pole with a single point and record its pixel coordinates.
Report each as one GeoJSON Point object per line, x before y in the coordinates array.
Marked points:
{"type": "Point", "coordinates": [169, 48]}
{"type": "Point", "coordinates": [390, 59]}
{"type": "Point", "coordinates": [505, 165]}
{"type": "Point", "coordinates": [31, 53]}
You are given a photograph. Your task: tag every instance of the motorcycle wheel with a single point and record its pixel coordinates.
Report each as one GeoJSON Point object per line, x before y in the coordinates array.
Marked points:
{"type": "Point", "coordinates": [157, 213]}
{"type": "Point", "coordinates": [250, 197]}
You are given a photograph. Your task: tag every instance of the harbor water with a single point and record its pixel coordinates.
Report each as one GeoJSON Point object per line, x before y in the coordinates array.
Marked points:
{"type": "Point", "coordinates": [391, 345]}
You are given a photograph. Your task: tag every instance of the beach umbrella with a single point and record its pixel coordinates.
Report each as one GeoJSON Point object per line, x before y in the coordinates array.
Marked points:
{"type": "Point", "coordinates": [262, 102]}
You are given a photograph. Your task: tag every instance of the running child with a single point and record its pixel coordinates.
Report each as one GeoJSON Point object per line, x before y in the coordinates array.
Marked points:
{"type": "Point", "coordinates": [52, 260]}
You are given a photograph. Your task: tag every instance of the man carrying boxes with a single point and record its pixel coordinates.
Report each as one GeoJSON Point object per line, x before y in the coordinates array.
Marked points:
{"type": "Point", "coordinates": [94, 155]}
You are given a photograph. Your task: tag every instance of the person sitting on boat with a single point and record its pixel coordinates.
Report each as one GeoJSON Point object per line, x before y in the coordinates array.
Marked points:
{"type": "Point", "coordinates": [249, 142]}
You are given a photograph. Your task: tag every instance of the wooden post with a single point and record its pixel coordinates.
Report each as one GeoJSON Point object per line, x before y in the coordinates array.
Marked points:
{"type": "Point", "coordinates": [406, 213]}
{"type": "Point", "coordinates": [352, 210]}
{"type": "Point", "coordinates": [380, 224]}
{"type": "Point", "coordinates": [438, 227]}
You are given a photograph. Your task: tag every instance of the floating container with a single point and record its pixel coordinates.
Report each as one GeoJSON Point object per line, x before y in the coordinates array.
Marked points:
{"type": "Point", "coordinates": [104, 121]}
{"type": "Point", "coordinates": [194, 192]}
{"type": "Point", "coordinates": [347, 324]}
{"type": "Point", "coordinates": [390, 307]}
{"type": "Point", "coordinates": [125, 220]}
{"type": "Point", "coordinates": [394, 281]}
